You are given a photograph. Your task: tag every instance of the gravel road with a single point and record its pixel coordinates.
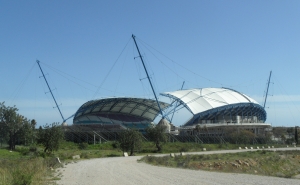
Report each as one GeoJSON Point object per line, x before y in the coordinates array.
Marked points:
{"type": "Point", "coordinates": [127, 171]}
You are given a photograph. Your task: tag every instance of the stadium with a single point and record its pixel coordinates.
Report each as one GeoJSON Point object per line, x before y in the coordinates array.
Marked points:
{"type": "Point", "coordinates": [119, 113]}
{"type": "Point", "coordinates": [214, 111]}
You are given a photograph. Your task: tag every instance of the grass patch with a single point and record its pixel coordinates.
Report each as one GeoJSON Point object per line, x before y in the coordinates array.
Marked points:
{"type": "Point", "coordinates": [6, 154]}
{"type": "Point", "coordinates": [23, 171]}
{"type": "Point", "coordinates": [279, 164]}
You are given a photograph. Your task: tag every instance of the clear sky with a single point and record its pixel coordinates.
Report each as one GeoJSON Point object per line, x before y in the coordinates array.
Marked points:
{"type": "Point", "coordinates": [86, 51]}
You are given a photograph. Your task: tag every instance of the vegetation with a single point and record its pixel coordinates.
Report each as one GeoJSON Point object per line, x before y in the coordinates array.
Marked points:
{"type": "Point", "coordinates": [36, 165]}
{"type": "Point", "coordinates": [158, 136]}
{"type": "Point", "coordinates": [279, 164]}
{"type": "Point", "coordinates": [28, 134]}
{"type": "Point", "coordinates": [23, 171]}
{"type": "Point", "coordinates": [14, 125]}
{"type": "Point", "coordinates": [296, 135]}
{"type": "Point", "coordinates": [25, 166]}
{"type": "Point", "coordinates": [287, 135]}
{"type": "Point", "coordinates": [130, 140]}
{"type": "Point", "coordinates": [240, 136]}
{"type": "Point", "coordinates": [31, 153]}
{"type": "Point", "coordinates": [50, 137]}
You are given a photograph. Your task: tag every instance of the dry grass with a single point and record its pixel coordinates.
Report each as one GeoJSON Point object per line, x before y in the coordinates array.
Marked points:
{"type": "Point", "coordinates": [23, 171]}
{"type": "Point", "coordinates": [280, 164]}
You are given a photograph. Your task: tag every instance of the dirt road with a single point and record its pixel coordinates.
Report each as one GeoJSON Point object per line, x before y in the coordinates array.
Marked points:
{"type": "Point", "coordinates": [127, 171]}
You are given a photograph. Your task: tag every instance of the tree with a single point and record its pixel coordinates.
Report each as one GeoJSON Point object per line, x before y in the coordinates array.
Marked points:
{"type": "Point", "coordinates": [11, 122]}
{"type": "Point", "coordinates": [290, 131]}
{"type": "Point", "coordinates": [130, 140]}
{"type": "Point", "coordinates": [296, 135]}
{"type": "Point", "coordinates": [240, 136]}
{"type": "Point", "coordinates": [50, 137]}
{"type": "Point", "coordinates": [283, 138]}
{"type": "Point", "coordinates": [279, 131]}
{"type": "Point", "coordinates": [14, 126]}
{"type": "Point", "coordinates": [157, 135]}
{"type": "Point", "coordinates": [246, 136]}
{"type": "Point", "coordinates": [27, 132]}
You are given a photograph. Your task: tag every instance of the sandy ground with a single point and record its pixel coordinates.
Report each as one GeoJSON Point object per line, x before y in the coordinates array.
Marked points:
{"type": "Point", "coordinates": [126, 170]}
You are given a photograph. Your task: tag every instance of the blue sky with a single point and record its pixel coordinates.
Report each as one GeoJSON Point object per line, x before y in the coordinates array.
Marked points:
{"type": "Point", "coordinates": [86, 52]}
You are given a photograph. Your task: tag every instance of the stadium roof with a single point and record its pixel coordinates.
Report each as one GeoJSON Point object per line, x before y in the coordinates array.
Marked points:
{"type": "Point", "coordinates": [201, 100]}
{"type": "Point", "coordinates": [213, 103]}
{"type": "Point", "coordinates": [117, 108]}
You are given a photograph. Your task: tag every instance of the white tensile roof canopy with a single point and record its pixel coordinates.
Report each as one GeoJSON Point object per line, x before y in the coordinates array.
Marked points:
{"type": "Point", "coordinates": [203, 99]}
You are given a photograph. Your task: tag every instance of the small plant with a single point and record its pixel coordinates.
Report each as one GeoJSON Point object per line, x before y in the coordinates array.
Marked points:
{"type": "Point", "coordinates": [85, 155]}
{"type": "Point", "coordinates": [263, 152]}
{"type": "Point", "coordinates": [184, 149]}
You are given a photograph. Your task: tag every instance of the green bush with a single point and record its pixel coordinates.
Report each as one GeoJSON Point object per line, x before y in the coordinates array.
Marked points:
{"type": "Point", "coordinates": [184, 149]}
{"type": "Point", "coordinates": [83, 146]}
{"type": "Point", "coordinates": [33, 148]}
{"type": "Point", "coordinates": [115, 145]}
{"type": "Point", "coordinates": [23, 150]}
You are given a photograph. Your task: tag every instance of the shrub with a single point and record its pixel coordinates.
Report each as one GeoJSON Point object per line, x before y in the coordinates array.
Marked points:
{"type": "Point", "coordinates": [184, 149]}
{"type": "Point", "coordinates": [115, 144]}
{"type": "Point", "coordinates": [33, 148]}
{"type": "Point", "coordinates": [23, 150]}
{"type": "Point", "coordinates": [84, 155]}
{"type": "Point", "coordinates": [83, 146]}
{"type": "Point", "coordinates": [52, 162]}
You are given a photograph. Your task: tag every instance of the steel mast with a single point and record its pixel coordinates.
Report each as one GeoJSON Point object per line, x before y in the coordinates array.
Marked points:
{"type": "Point", "coordinates": [177, 102]}
{"type": "Point", "coordinates": [38, 62]}
{"type": "Point", "coordinates": [161, 112]}
{"type": "Point", "coordinates": [267, 89]}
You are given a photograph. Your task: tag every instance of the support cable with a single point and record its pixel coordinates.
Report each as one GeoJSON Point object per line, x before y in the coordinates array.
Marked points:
{"type": "Point", "coordinates": [20, 87]}
{"type": "Point", "coordinates": [184, 66]}
{"type": "Point", "coordinates": [109, 71]}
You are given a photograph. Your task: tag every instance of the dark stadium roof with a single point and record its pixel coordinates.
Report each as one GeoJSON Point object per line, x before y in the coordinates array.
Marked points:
{"type": "Point", "coordinates": [122, 109]}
